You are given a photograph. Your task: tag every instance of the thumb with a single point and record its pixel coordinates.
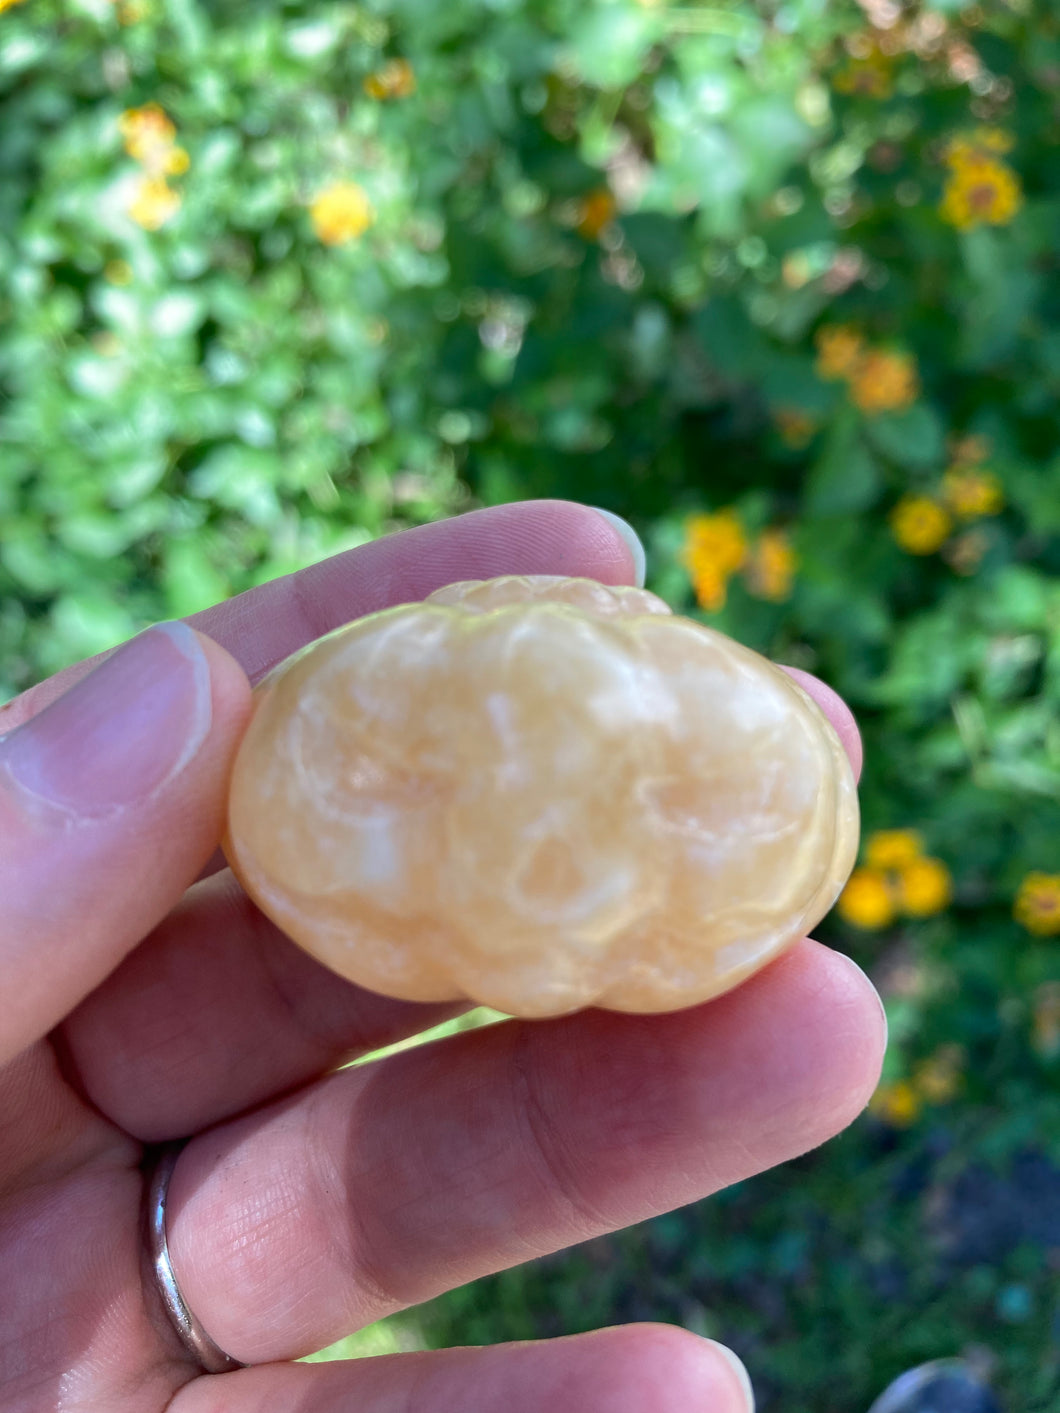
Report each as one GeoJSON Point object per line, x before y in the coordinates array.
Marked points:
{"type": "Point", "coordinates": [111, 800]}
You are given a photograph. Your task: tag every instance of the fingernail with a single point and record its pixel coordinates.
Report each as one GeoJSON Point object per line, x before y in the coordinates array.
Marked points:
{"type": "Point", "coordinates": [737, 1366]}
{"type": "Point", "coordinates": [121, 733]}
{"type": "Point", "coordinates": [632, 539]}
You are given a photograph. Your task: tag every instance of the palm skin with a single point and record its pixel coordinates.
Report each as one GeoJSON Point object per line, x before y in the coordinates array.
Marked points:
{"type": "Point", "coordinates": [144, 999]}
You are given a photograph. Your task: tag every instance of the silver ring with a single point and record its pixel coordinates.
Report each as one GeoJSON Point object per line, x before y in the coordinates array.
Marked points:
{"type": "Point", "coordinates": [195, 1339]}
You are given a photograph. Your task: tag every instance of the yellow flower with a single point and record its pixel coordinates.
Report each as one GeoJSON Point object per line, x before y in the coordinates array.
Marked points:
{"type": "Point", "coordinates": [598, 211]}
{"type": "Point", "coordinates": [176, 162]}
{"type": "Point", "coordinates": [920, 525]}
{"type": "Point", "coordinates": [964, 553]}
{"type": "Point", "coordinates": [870, 76]}
{"type": "Point", "coordinates": [893, 848]}
{"type": "Point", "coordinates": [980, 191]}
{"type": "Point", "coordinates": [710, 588]}
{"type": "Point", "coordinates": [719, 538]}
{"type": "Point", "coordinates": [7, 4]}
{"type": "Point", "coordinates": [839, 351]}
{"type": "Point", "coordinates": [938, 1078]}
{"type": "Point", "coordinates": [970, 493]}
{"type": "Point", "coordinates": [897, 1104]}
{"type": "Point", "coordinates": [150, 138]}
{"type": "Point", "coordinates": [771, 566]}
{"type": "Point", "coordinates": [796, 427]}
{"type": "Point", "coordinates": [129, 12]}
{"type": "Point", "coordinates": [995, 139]}
{"type": "Point", "coordinates": [885, 381]}
{"type": "Point", "coordinates": [145, 130]}
{"type": "Point", "coordinates": [980, 145]}
{"type": "Point", "coordinates": [394, 80]}
{"type": "Point", "coordinates": [715, 547]}
{"type": "Point", "coordinates": [154, 204]}
{"type": "Point", "coordinates": [1045, 1035]}
{"type": "Point", "coordinates": [341, 213]}
{"type": "Point", "coordinates": [118, 272]}
{"type": "Point", "coordinates": [970, 450]}
{"type": "Point", "coordinates": [924, 887]}
{"type": "Point", "coordinates": [1037, 906]}
{"type": "Point", "coordinates": [867, 901]}
{"type": "Point", "coordinates": [107, 343]}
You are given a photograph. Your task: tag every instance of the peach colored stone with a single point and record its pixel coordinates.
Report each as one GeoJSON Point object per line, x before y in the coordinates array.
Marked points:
{"type": "Point", "coordinates": [540, 794]}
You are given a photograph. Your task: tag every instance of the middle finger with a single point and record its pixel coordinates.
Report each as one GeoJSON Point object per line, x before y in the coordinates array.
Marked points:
{"type": "Point", "coordinates": [217, 1011]}
{"type": "Point", "coordinates": [380, 1187]}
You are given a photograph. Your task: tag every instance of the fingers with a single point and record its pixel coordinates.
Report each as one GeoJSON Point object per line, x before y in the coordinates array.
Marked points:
{"type": "Point", "coordinates": [637, 1369]}
{"type": "Point", "coordinates": [218, 1011]}
{"type": "Point", "coordinates": [382, 1186]}
{"type": "Point", "coordinates": [267, 624]}
{"type": "Point", "coordinates": [837, 712]}
{"type": "Point", "coordinates": [110, 802]}
{"type": "Point", "coordinates": [263, 626]}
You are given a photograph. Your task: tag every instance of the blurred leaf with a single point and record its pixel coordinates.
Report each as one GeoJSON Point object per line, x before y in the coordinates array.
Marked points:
{"type": "Point", "coordinates": [190, 578]}
{"type": "Point", "coordinates": [1033, 489]}
{"type": "Point", "coordinates": [914, 438]}
{"type": "Point", "coordinates": [845, 477]}
{"type": "Point", "coordinates": [609, 42]}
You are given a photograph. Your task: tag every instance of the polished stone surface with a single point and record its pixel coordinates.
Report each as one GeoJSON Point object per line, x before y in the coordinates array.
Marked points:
{"type": "Point", "coordinates": [540, 794]}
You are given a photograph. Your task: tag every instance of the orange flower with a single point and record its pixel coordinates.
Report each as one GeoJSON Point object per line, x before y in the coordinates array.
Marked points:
{"type": "Point", "coordinates": [771, 566]}
{"type": "Point", "coordinates": [145, 129]}
{"type": "Point", "coordinates": [341, 213]}
{"type": "Point", "coordinates": [394, 80]}
{"type": "Point", "coordinates": [971, 493]}
{"type": "Point", "coordinates": [715, 548]}
{"type": "Point", "coordinates": [938, 1078]}
{"type": "Point", "coordinates": [1037, 905]}
{"type": "Point", "coordinates": [719, 538]}
{"type": "Point", "coordinates": [796, 427]}
{"type": "Point", "coordinates": [839, 351]}
{"type": "Point", "coordinates": [150, 138]}
{"type": "Point", "coordinates": [870, 74]}
{"type": "Point", "coordinates": [885, 381]}
{"type": "Point", "coordinates": [598, 211]}
{"type": "Point", "coordinates": [1045, 1034]}
{"type": "Point", "coordinates": [710, 588]}
{"type": "Point", "coordinates": [970, 450]}
{"type": "Point", "coordinates": [964, 553]}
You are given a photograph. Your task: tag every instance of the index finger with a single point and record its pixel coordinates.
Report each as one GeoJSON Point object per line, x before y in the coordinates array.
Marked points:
{"type": "Point", "coordinates": [264, 625]}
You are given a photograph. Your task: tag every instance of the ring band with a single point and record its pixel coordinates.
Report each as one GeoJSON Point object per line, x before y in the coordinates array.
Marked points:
{"type": "Point", "coordinates": [195, 1339]}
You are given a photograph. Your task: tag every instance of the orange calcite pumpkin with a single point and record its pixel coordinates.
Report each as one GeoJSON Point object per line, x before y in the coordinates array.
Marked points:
{"type": "Point", "coordinates": [540, 794]}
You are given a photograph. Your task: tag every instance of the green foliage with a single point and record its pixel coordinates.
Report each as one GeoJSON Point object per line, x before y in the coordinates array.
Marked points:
{"type": "Point", "coordinates": [608, 243]}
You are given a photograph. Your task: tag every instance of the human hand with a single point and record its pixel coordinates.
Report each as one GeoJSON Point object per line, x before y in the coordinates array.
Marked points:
{"type": "Point", "coordinates": [143, 999]}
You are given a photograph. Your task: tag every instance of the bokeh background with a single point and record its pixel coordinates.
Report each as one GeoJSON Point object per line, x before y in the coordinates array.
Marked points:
{"type": "Point", "coordinates": [779, 282]}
